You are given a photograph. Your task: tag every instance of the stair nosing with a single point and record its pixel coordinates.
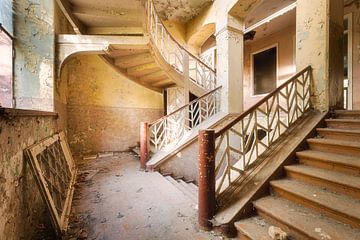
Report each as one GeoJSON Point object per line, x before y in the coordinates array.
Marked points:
{"type": "Point", "coordinates": [300, 170]}
{"type": "Point", "coordinates": [279, 184]}
{"type": "Point", "coordinates": [269, 212]}
{"type": "Point", "coordinates": [328, 157]}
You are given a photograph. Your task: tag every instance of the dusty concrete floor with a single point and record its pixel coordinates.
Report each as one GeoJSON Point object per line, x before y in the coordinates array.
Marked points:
{"type": "Point", "coordinates": [114, 200]}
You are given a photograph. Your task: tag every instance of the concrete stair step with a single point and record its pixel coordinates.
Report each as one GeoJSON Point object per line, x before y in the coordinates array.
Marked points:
{"type": "Point", "coordinates": [343, 123]}
{"type": "Point", "coordinates": [194, 187]}
{"type": "Point", "coordinates": [334, 205]}
{"type": "Point", "coordinates": [339, 134]}
{"type": "Point", "coordinates": [301, 222]}
{"type": "Point", "coordinates": [335, 146]}
{"type": "Point", "coordinates": [184, 190]}
{"type": "Point", "coordinates": [189, 189]}
{"type": "Point", "coordinates": [336, 181]}
{"type": "Point", "coordinates": [254, 228]}
{"type": "Point", "coordinates": [347, 114]}
{"type": "Point", "coordinates": [330, 161]}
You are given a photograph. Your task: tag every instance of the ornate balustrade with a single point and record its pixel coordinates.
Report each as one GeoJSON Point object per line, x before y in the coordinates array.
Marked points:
{"type": "Point", "coordinates": [177, 56]}
{"type": "Point", "coordinates": [173, 127]}
{"type": "Point", "coordinates": [238, 145]}
{"type": "Point", "coordinates": [170, 129]}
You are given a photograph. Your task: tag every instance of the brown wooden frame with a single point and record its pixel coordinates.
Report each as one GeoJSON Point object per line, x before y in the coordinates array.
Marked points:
{"type": "Point", "coordinates": [57, 148]}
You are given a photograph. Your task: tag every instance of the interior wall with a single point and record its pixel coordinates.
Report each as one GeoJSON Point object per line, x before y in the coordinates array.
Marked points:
{"type": "Point", "coordinates": [22, 209]}
{"type": "Point", "coordinates": [286, 65]}
{"type": "Point", "coordinates": [356, 53]}
{"type": "Point", "coordinates": [105, 108]}
{"type": "Point", "coordinates": [34, 54]}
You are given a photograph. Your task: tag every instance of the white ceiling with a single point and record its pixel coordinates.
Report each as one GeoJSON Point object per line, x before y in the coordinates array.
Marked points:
{"type": "Point", "coordinates": [276, 25]}
{"type": "Point", "coordinates": [265, 9]}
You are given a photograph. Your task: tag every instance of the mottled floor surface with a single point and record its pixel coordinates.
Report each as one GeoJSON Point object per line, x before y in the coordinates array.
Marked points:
{"type": "Point", "coordinates": [114, 200]}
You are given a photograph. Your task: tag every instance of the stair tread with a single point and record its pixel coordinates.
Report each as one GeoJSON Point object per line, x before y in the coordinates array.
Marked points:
{"type": "Point", "coordinates": [334, 142]}
{"type": "Point", "coordinates": [330, 157]}
{"type": "Point", "coordinates": [340, 203]}
{"type": "Point", "coordinates": [187, 187]}
{"type": "Point", "coordinates": [347, 120]}
{"type": "Point", "coordinates": [182, 188]}
{"type": "Point", "coordinates": [338, 130]}
{"type": "Point", "coordinates": [347, 111]}
{"type": "Point", "coordinates": [255, 228]}
{"type": "Point", "coordinates": [311, 224]}
{"type": "Point", "coordinates": [332, 176]}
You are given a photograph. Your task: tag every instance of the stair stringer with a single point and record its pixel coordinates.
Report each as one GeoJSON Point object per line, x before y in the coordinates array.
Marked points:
{"type": "Point", "coordinates": [181, 158]}
{"type": "Point", "coordinates": [236, 203]}
{"type": "Point", "coordinates": [173, 74]}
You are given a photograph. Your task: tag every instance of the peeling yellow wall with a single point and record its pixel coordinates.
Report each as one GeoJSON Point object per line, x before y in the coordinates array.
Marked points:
{"type": "Point", "coordinates": [356, 54]}
{"type": "Point", "coordinates": [105, 108]}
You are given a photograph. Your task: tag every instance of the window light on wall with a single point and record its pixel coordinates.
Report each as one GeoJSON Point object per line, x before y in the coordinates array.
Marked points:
{"type": "Point", "coordinates": [6, 69]}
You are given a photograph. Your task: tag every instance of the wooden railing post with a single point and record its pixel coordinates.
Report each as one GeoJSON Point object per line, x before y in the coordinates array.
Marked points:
{"type": "Point", "coordinates": [144, 144]}
{"type": "Point", "coordinates": [206, 178]}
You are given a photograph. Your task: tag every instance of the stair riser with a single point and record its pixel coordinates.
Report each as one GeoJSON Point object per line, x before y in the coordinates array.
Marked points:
{"type": "Point", "coordinates": [243, 237]}
{"type": "Point", "coordinates": [291, 230]}
{"type": "Point", "coordinates": [329, 166]}
{"type": "Point", "coordinates": [340, 136]}
{"type": "Point", "coordinates": [332, 213]}
{"type": "Point", "coordinates": [340, 188]}
{"type": "Point", "coordinates": [346, 150]}
{"type": "Point", "coordinates": [348, 115]}
{"type": "Point", "coordinates": [343, 125]}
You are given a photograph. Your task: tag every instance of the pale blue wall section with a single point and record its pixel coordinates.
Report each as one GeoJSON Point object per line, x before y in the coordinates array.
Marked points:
{"type": "Point", "coordinates": [35, 50]}
{"type": "Point", "coordinates": [6, 13]}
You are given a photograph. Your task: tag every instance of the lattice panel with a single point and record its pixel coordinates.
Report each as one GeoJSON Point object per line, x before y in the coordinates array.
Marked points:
{"type": "Point", "coordinates": [55, 173]}
{"type": "Point", "coordinates": [173, 127]}
{"type": "Point", "coordinates": [241, 143]}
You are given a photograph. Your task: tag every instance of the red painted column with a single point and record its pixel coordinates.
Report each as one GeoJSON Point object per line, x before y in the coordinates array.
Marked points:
{"type": "Point", "coordinates": [206, 178]}
{"type": "Point", "coordinates": [144, 144]}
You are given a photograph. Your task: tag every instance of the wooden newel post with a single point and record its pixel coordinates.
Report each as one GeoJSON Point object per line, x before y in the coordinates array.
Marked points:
{"type": "Point", "coordinates": [144, 144]}
{"type": "Point", "coordinates": [206, 178]}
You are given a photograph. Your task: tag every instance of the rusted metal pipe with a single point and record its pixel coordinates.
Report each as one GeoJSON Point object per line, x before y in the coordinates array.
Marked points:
{"type": "Point", "coordinates": [206, 178]}
{"type": "Point", "coordinates": [144, 145]}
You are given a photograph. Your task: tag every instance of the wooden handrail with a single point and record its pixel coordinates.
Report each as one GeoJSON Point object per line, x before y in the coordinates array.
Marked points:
{"type": "Point", "coordinates": [185, 106]}
{"type": "Point", "coordinates": [179, 45]}
{"type": "Point", "coordinates": [263, 100]}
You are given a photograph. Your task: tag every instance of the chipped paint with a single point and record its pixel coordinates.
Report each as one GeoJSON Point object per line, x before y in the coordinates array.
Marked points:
{"type": "Point", "coordinates": [319, 44]}
{"type": "Point", "coordinates": [34, 46]}
{"type": "Point", "coordinates": [180, 10]}
{"type": "Point", "coordinates": [102, 104]}
{"type": "Point", "coordinates": [21, 208]}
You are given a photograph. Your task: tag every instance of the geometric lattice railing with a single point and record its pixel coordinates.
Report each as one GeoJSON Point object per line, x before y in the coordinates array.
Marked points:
{"type": "Point", "coordinates": [55, 172]}
{"type": "Point", "coordinates": [239, 144]}
{"type": "Point", "coordinates": [177, 56]}
{"type": "Point", "coordinates": [225, 156]}
{"type": "Point", "coordinates": [173, 127]}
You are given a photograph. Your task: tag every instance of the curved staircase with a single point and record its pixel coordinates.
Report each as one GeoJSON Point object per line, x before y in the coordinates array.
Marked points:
{"type": "Point", "coordinates": [319, 196]}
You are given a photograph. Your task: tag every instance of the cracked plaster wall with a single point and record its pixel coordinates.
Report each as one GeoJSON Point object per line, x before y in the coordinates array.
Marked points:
{"type": "Point", "coordinates": [22, 209]}
{"type": "Point", "coordinates": [319, 33]}
{"type": "Point", "coordinates": [356, 53]}
{"type": "Point", "coordinates": [105, 108]}
{"type": "Point", "coordinates": [35, 49]}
